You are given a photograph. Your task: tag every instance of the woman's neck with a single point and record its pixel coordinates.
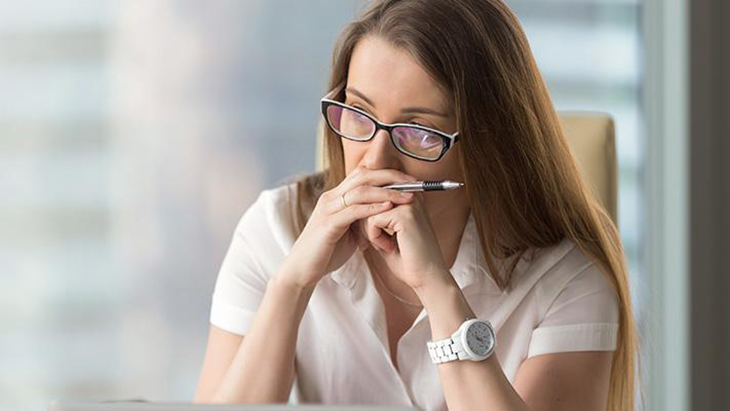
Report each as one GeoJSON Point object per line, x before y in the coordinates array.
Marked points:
{"type": "Point", "coordinates": [450, 225]}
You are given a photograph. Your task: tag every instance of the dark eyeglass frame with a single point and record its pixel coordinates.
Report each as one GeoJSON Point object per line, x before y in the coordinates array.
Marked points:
{"type": "Point", "coordinates": [449, 139]}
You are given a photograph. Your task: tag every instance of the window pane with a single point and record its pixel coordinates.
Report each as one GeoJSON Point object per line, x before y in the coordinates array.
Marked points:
{"type": "Point", "coordinates": [133, 135]}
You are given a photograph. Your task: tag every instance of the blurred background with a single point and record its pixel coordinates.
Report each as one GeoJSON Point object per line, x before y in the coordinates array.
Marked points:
{"type": "Point", "coordinates": [134, 134]}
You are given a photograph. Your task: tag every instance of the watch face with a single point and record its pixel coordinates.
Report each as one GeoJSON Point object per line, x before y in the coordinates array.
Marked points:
{"type": "Point", "coordinates": [480, 338]}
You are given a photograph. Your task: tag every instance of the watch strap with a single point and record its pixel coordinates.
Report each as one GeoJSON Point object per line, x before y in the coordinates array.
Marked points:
{"type": "Point", "coordinates": [445, 350]}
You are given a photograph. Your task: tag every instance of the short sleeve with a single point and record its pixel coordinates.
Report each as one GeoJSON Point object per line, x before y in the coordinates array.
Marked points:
{"type": "Point", "coordinates": [246, 269]}
{"type": "Point", "coordinates": [582, 317]}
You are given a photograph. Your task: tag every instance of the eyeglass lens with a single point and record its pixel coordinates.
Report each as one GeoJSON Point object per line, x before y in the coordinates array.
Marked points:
{"type": "Point", "coordinates": [355, 126]}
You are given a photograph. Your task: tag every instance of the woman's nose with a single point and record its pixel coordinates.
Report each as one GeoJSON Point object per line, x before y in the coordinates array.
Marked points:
{"type": "Point", "coordinates": [380, 152]}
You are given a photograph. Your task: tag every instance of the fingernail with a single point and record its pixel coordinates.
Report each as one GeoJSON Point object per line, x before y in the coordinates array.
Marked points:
{"type": "Point", "coordinates": [406, 194]}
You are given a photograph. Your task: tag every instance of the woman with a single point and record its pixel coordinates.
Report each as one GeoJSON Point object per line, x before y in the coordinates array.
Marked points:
{"type": "Point", "coordinates": [341, 286]}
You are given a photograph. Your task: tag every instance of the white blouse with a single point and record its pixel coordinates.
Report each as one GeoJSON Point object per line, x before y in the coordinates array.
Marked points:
{"type": "Point", "coordinates": [559, 301]}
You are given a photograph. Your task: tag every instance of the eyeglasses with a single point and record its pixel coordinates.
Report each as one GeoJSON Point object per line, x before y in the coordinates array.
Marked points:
{"type": "Point", "coordinates": [413, 140]}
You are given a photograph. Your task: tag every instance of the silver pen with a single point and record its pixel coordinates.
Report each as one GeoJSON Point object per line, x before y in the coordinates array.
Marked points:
{"type": "Point", "coordinates": [425, 185]}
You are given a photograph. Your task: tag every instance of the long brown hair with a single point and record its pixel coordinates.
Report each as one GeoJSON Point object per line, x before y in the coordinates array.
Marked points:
{"type": "Point", "coordinates": [521, 179]}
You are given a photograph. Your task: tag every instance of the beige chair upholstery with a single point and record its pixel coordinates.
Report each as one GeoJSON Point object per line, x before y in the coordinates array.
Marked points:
{"type": "Point", "coordinates": [592, 140]}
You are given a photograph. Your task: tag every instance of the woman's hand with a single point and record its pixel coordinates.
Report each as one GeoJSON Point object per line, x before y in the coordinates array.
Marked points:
{"type": "Point", "coordinates": [406, 241]}
{"type": "Point", "coordinates": [328, 240]}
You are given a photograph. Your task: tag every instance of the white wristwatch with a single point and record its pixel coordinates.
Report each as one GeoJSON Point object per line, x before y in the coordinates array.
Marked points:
{"type": "Point", "coordinates": [473, 341]}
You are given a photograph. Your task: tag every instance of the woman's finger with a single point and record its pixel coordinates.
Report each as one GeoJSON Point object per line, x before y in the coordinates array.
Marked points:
{"type": "Point", "coordinates": [379, 230]}
{"type": "Point", "coordinates": [365, 176]}
{"type": "Point", "coordinates": [343, 219]}
{"type": "Point", "coordinates": [368, 194]}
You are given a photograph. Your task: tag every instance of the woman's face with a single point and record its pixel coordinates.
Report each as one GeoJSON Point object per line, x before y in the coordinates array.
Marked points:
{"type": "Point", "coordinates": [389, 84]}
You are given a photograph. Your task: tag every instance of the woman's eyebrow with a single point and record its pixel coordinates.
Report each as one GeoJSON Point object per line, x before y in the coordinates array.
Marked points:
{"type": "Point", "coordinates": [407, 110]}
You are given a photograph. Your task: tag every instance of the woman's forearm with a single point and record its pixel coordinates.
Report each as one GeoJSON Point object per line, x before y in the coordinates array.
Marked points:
{"type": "Point", "coordinates": [467, 385]}
{"type": "Point", "coordinates": [262, 370]}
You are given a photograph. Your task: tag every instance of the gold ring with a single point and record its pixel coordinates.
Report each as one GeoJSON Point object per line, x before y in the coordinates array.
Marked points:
{"type": "Point", "coordinates": [344, 203]}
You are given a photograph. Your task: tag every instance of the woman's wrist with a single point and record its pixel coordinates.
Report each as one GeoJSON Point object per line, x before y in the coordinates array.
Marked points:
{"type": "Point", "coordinates": [290, 295]}
{"type": "Point", "coordinates": [445, 304]}
{"type": "Point", "coordinates": [289, 277]}
{"type": "Point", "coordinates": [286, 281]}
{"type": "Point", "coordinates": [433, 288]}
{"type": "Point", "coordinates": [290, 286]}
